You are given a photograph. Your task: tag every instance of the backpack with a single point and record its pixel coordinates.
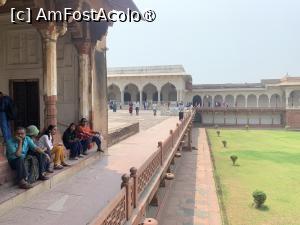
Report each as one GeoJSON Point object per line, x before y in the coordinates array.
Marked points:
{"type": "Point", "coordinates": [11, 109]}
{"type": "Point", "coordinates": [32, 167]}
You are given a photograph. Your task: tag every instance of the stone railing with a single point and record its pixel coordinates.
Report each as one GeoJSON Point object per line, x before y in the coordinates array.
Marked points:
{"type": "Point", "coordinates": [137, 188]}
{"type": "Point", "coordinates": [239, 109]}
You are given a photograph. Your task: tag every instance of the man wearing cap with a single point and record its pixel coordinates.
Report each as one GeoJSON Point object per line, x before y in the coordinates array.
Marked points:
{"type": "Point", "coordinates": [43, 158]}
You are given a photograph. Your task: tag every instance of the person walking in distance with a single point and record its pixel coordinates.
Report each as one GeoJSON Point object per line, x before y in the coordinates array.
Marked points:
{"type": "Point", "coordinates": [130, 108]}
{"type": "Point", "coordinates": [154, 108]}
{"type": "Point", "coordinates": [137, 108]}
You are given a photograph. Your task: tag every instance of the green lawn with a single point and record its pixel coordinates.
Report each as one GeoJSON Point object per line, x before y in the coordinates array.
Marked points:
{"type": "Point", "coordinates": [268, 161]}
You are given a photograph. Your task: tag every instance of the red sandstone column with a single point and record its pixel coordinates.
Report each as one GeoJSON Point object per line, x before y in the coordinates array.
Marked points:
{"type": "Point", "coordinates": [99, 91]}
{"type": "Point", "coordinates": [50, 33]}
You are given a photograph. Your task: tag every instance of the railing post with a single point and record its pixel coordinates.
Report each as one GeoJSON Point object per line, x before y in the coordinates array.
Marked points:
{"type": "Point", "coordinates": [177, 128]}
{"type": "Point", "coordinates": [190, 137]}
{"type": "Point", "coordinates": [126, 184]}
{"type": "Point", "coordinates": [172, 138]}
{"type": "Point", "coordinates": [161, 153]}
{"type": "Point", "coordinates": [133, 174]}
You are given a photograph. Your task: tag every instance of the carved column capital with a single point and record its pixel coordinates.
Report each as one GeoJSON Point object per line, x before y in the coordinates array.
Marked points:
{"type": "Point", "coordinates": [2, 2]}
{"type": "Point", "coordinates": [51, 31]}
{"type": "Point", "coordinates": [83, 46]}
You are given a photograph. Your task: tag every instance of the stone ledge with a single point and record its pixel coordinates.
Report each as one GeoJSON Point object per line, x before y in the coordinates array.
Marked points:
{"type": "Point", "coordinates": [11, 196]}
{"type": "Point", "coordinates": [120, 134]}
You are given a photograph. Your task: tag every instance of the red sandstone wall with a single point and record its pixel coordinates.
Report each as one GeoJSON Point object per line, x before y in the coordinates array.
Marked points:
{"type": "Point", "coordinates": [293, 118]}
{"type": "Point", "coordinates": [6, 174]}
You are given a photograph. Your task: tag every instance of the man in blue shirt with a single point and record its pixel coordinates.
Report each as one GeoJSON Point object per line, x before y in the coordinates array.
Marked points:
{"type": "Point", "coordinates": [17, 148]}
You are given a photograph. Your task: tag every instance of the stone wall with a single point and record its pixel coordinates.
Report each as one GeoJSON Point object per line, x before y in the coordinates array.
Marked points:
{"type": "Point", "coordinates": [21, 59]}
{"type": "Point", "coordinates": [6, 174]}
{"type": "Point", "coordinates": [256, 119]}
{"type": "Point", "coordinates": [293, 118]}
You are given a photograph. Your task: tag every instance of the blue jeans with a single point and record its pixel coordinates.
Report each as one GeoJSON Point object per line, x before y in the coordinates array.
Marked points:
{"type": "Point", "coordinates": [5, 127]}
{"type": "Point", "coordinates": [97, 141]}
{"type": "Point", "coordinates": [84, 144]}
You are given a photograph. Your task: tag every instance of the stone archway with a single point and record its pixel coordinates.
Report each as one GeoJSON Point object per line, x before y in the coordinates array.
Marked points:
{"type": "Point", "coordinates": [168, 92]}
{"type": "Point", "coordinates": [252, 101]}
{"type": "Point", "coordinates": [114, 93]}
{"type": "Point", "coordinates": [263, 101]}
{"type": "Point", "coordinates": [218, 101]}
{"type": "Point", "coordinates": [294, 99]}
{"type": "Point", "coordinates": [240, 101]}
{"type": "Point", "coordinates": [131, 93]}
{"type": "Point", "coordinates": [207, 101]}
{"type": "Point", "coordinates": [229, 101]}
{"type": "Point", "coordinates": [197, 100]}
{"type": "Point", "coordinates": [275, 101]}
{"type": "Point", "coordinates": [150, 92]}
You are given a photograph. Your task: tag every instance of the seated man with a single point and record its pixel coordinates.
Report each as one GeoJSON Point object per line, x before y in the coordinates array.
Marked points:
{"type": "Point", "coordinates": [87, 135]}
{"type": "Point", "coordinates": [44, 159]}
{"type": "Point", "coordinates": [16, 151]}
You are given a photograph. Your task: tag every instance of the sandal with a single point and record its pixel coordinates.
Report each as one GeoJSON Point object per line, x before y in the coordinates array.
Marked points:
{"type": "Point", "coordinates": [58, 167]}
{"type": "Point", "coordinates": [65, 164]}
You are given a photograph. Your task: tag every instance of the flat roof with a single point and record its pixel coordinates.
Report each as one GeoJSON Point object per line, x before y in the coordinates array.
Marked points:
{"type": "Point", "coordinates": [147, 71]}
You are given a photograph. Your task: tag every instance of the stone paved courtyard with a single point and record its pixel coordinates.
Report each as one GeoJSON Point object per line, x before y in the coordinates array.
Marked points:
{"type": "Point", "coordinates": [145, 119]}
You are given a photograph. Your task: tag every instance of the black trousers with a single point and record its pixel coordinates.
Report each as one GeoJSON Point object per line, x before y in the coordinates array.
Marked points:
{"type": "Point", "coordinates": [75, 148]}
{"type": "Point", "coordinates": [180, 115]}
{"type": "Point", "coordinates": [43, 162]}
{"type": "Point", "coordinates": [18, 164]}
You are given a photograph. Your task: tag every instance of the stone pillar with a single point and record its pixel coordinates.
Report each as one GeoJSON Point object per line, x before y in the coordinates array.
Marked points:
{"type": "Point", "coordinates": [99, 114]}
{"type": "Point", "coordinates": [50, 33]}
{"type": "Point", "coordinates": [287, 94]}
{"type": "Point", "coordinates": [84, 49]}
{"type": "Point", "coordinates": [141, 98]}
{"type": "Point", "coordinates": [178, 95]}
{"type": "Point", "coordinates": [234, 101]}
{"type": "Point", "coordinates": [122, 97]}
{"type": "Point", "coordinates": [158, 97]}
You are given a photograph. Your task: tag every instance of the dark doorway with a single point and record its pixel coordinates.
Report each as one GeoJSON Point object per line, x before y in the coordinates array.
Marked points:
{"type": "Point", "coordinates": [25, 94]}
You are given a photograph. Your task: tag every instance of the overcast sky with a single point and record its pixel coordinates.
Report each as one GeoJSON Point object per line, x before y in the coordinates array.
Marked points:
{"type": "Point", "coordinates": [217, 41]}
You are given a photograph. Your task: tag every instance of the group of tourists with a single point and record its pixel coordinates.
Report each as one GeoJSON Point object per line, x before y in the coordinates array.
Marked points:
{"type": "Point", "coordinates": [135, 105]}
{"type": "Point", "coordinates": [34, 154]}
{"type": "Point", "coordinates": [31, 154]}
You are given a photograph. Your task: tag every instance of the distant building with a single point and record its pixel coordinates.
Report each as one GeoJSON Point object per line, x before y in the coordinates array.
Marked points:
{"type": "Point", "coordinates": [272, 102]}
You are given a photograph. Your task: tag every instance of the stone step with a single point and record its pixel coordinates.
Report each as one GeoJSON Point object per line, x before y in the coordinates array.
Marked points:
{"type": "Point", "coordinates": [12, 196]}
